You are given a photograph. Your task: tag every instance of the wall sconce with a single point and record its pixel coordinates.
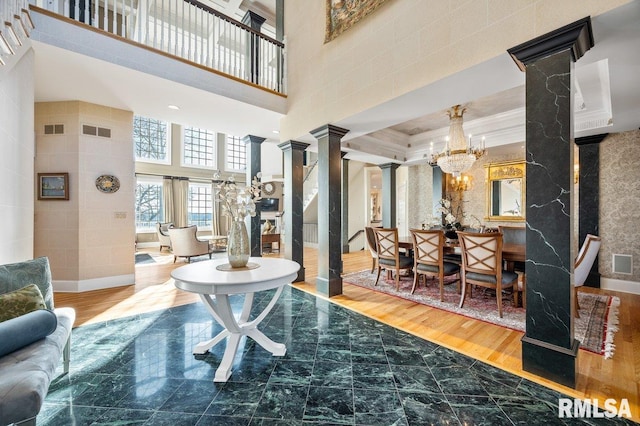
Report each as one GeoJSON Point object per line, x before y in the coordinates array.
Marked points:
{"type": "Point", "coordinates": [461, 183]}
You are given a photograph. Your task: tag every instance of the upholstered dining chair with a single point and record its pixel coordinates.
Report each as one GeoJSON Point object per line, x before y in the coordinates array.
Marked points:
{"type": "Point", "coordinates": [516, 235]}
{"type": "Point", "coordinates": [184, 243]}
{"type": "Point", "coordinates": [428, 252]}
{"type": "Point", "coordinates": [162, 229]}
{"type": "Point", "coordinates": [586, 256]}
{"type": "Point", "coordinates": [373, 247]}
{"type": "Point", "coordinates": [482, 265]}
{"type": "Point", "coordinates": [389, 257]}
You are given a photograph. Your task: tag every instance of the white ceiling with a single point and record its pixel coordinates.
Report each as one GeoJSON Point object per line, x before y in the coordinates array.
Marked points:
{"type": "Point", "coordinates": [405, 129]}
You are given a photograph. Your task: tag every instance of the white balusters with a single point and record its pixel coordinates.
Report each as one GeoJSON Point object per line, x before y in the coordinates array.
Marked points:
{"type": "Point", "coordinates": [187, 29]}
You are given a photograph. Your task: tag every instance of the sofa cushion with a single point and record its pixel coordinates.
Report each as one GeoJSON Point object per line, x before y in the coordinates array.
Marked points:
{"type": "Point", "coordinates": [20, 302]}
{"type": "Point", "coordinates": [34, 271]}
{"type": "Point", "coordinates": [21, 331]}
{"type": "Point", "coordinates": [25, 374]}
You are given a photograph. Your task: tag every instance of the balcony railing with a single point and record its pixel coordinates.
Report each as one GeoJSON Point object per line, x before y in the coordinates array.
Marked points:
{"type": "Point", "coordinates": [187, 29]}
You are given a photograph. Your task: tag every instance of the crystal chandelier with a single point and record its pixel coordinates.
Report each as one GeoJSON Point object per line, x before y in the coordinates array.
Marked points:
{"type": "Point", "coordinates": [458, 155]}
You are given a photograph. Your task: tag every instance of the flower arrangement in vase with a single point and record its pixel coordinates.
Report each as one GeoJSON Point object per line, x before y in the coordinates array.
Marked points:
{"type": "Point", "coordinates": [451, 221]}
{"type": "Point", "coordinates": [238, 202]}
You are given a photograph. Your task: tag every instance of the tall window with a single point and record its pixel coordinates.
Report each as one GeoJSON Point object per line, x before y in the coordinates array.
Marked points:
{"type": "Point", "coordinates": [148, 203]}
{"type": "Point", "coordinates": [236, 154]}
{"type": "Point", "coordinates": [200, 205]}
{"type": "Point", "coordinates": [151, 140]}
{"type": "Point", "coordinates": [199, 147]}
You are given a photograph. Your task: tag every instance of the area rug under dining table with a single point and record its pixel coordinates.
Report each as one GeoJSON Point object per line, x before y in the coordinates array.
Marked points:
{"type": "Point", "coordinates": [594, 329]}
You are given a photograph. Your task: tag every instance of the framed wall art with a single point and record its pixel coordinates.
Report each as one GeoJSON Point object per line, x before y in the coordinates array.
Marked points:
{"type": "Point", "coordinates": [342, 14]}
{"type": "Point", "coordinates": [53, 186]}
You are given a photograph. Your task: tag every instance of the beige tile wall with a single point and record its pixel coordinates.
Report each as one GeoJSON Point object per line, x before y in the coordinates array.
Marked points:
{"type": "Point", "coordinates": [89, 238]}
{"type": "Point", "coordinates": [402, 46]}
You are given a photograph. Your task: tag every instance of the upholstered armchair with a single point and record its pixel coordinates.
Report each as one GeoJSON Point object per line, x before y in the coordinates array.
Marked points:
{"type": "Point", "coordinates": [184, 243]}
{"type": "Point", "coordinates": [373, 247]}
{"type": "Point", "coordinates": [582, 267]}
{"type": "Point", "coordinates": [163, 234]}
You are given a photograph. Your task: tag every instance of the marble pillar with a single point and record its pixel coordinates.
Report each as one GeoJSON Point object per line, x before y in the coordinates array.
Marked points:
{"type": "Point", "coordinates": [589, 196]}
{"type": "Point", "coordinates": [389, 199]}
{"type": "Point", "coordinates": [439, 191]}
{"type": "Point", "coordinates": [329, 281]}
{"type": "Point", "coordinates": [294, 202]}
{"type": "Point", "coordinates": [254, 160]}
{"type": "Point", "coordinates": [345, 203]}
{"type": "Point", "coordinates": [549, 348]}
{"type": "Point", "coordinates": [254, 21]}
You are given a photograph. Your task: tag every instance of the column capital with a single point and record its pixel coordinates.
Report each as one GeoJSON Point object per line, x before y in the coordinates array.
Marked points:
{"type": "Point", "coordinates": [590, 140]}
{"type": "Point", "coordinates": [330, 130]}
{"type": "Point", "coordinates": [391, 166]}
{"type": "Point", "coordinates": [293, 145]}
{"type": "Point", "coordinates": [577, 36]}
{"type": "Point", "coordinates": [253, 139]}
{"type": "Point", "coordinates": [253, 20]}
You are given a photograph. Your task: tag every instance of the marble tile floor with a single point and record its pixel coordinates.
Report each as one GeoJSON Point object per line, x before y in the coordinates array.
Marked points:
{"type": "Point", "coordinates": [340, 368]}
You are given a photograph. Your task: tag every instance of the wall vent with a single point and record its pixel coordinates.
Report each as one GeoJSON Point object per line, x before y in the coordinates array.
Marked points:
{"type": "Point", "coordinates": [623, 264]}
{"type": "Point", "coordinates": [102, 132]}
{"type": "Point", "coordinates": [54, 129]}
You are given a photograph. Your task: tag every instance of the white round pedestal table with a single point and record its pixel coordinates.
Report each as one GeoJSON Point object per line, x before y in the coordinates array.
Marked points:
{"type": "Point", "coordinates": [214, 287]}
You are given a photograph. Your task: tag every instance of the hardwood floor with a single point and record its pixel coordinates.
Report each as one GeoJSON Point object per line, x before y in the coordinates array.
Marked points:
{"type": "Point", "coordinates": [598, 378]}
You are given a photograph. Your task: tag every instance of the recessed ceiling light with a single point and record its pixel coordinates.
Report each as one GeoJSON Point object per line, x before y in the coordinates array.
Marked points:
{"type": "Point", "coordinates": [174, 107]}
{"type": "Point", "coordinates": [277, 132]}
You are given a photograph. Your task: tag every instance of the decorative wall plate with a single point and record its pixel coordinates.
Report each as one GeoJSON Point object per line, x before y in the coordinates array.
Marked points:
{"type": "Point", "coordinates": [268, 188]}
{"type": "Point", "coordinates": [107, 183]}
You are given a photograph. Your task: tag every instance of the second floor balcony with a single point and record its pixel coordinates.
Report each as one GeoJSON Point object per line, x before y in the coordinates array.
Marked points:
{"type": "Point", "coordinates": [185, 29]}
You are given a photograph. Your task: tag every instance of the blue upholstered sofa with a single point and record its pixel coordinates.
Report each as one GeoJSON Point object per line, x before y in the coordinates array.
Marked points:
{"type": "Point", "coordinates": [25, 373]}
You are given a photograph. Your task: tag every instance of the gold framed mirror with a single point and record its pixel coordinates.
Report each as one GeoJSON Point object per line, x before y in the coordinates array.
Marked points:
{"type": "Point", "coordinates": [506, 191]}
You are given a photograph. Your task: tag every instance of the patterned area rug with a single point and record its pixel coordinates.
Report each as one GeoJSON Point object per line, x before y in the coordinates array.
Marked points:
{"type": "Point", "coordinates": [595, 328]}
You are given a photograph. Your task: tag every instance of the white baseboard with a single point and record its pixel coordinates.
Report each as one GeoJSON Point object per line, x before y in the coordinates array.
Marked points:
{"type": "Point", "coordinates": [148, 245]}
{"type": "Point", "coordinates": [64, 286]}
{"type": "Point", "coordinates": [620, 285]}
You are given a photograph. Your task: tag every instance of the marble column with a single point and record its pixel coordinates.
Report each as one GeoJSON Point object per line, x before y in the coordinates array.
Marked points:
{"type": "Point", "coordinates": [589, 196]}
{"type": "Point", "coordinates": [293, 202]}
{"type": "Point", "coordinates": [345, 203]}
{"type": "Point", "coordinates": [254, 160]}
{"type": "Point", "coordinates": [254, 21]}
{"type": "Point", "coordinates": [439, 190]}
{"type": "Point", "coordinates": [280, 20]}
{"type": "Point", "coordinates": [549, 348]}
{"type": "Point", "coordinates": [329, 281]}
{"type": "Point", "coordinates": [389, 199]}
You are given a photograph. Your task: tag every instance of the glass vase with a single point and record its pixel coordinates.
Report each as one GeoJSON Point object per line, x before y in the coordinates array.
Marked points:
{"type": "Point", "coordinates": [238, 244]}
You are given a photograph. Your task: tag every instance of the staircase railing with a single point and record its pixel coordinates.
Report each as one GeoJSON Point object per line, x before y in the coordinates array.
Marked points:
{"type": "Point", "coordinates": [187, 29]}
{"type": "Point", "coordinates": [15, 28]}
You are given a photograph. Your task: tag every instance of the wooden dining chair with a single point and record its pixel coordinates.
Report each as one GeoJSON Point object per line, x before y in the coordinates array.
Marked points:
{"type": "Point", "coordinates": [389, 257]}
{"type": "Point", "coordinates": [586, 256]}
{"type": "Point", "coordinates": [482, 265]}
{"type": "Point", "coordinates": [428, 252]}
{"type": "Point", "coordinates": [516, 235]}
{"type": "Point", "coordinates": [373, 246]}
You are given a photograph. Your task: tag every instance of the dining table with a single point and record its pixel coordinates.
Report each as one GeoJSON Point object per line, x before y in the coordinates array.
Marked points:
{"type": "Point", "coordinates": [511, 252]}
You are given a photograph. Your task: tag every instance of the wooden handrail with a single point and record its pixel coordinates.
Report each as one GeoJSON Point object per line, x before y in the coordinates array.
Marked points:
{"type": "Point", "coordinates": [233, 21]}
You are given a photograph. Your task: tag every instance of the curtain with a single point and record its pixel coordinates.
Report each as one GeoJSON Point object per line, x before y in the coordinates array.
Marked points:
{"type": "Point", "coordinates": [216, 229]}
{"type": "Point", "coordinates": [180, 195]}
{"type": "Point", "coordinates": [167, 196]}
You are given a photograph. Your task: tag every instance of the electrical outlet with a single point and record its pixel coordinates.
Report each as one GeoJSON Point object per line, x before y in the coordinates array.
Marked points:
{"type": "Point", "coordinates": [121, 215]}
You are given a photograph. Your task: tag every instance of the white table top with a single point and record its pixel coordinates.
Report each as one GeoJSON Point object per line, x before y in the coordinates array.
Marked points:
{"type": "Point", "coordinates": [204, 278]}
